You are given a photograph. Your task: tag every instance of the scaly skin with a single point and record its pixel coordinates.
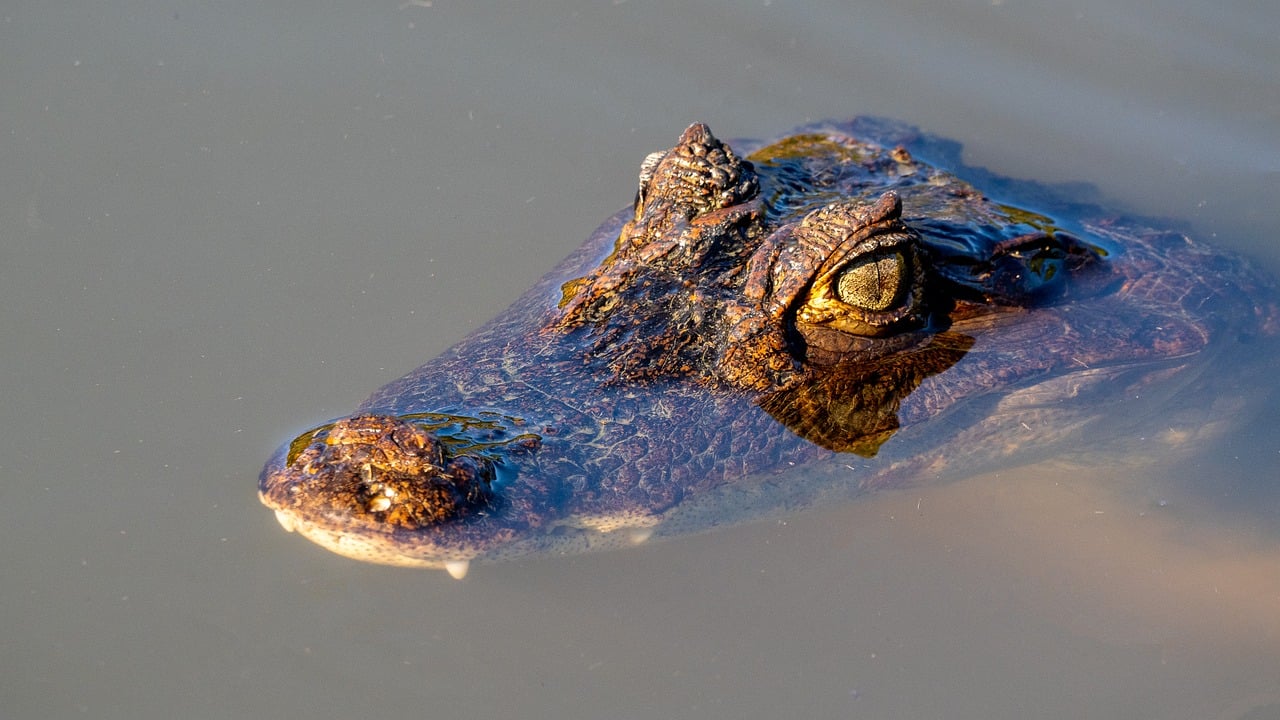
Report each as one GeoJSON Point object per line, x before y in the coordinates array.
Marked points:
{"type": "Point", "coordinates": [828, 302]}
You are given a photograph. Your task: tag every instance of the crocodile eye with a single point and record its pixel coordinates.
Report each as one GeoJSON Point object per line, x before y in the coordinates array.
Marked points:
{"type": "Point", "coordinates": [871, 278]}
{"type": "Point", "coordinates": [873, 283]}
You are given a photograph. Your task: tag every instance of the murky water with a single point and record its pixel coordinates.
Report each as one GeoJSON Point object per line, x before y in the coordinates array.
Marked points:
{"type": "Point", "coordinates": [223, 223]}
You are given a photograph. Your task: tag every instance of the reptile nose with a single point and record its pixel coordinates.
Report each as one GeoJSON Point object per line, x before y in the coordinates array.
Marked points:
{"type": "Point", "coordinates": [384, 470]}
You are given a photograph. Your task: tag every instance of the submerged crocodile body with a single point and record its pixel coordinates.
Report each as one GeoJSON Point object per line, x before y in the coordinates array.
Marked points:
{"type": "Point", "coordinates": [825, 301]}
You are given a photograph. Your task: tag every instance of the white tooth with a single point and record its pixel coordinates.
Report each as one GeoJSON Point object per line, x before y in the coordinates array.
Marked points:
{"type": "Point", "coordinates": [457, 568]}
{"type": "Point", "coordinates": [285, 521]}
{"type": "Point", "coordinates": [639, 535]}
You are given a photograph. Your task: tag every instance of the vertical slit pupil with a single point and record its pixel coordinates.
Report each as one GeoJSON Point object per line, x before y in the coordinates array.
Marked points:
{"type": "Point", "coordinates": [873, 283]}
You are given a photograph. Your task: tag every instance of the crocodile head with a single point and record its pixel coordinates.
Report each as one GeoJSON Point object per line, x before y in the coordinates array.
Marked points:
{"type": "Point", "coordinates": [744, 317]}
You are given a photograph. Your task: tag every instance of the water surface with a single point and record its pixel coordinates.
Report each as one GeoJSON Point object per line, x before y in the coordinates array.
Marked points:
{"type": "Point", "coordinates": [225, 223]}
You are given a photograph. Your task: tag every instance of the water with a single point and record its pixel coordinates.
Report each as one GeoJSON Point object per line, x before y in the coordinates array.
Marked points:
{"type": "Point", "coordinates": [225, 223]}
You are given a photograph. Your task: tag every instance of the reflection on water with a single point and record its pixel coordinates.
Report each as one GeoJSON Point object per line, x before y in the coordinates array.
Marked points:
{"type": "Point", "coordinates": [1072, 567]}
{"type": "Point", "coordinates": [1111, 560]}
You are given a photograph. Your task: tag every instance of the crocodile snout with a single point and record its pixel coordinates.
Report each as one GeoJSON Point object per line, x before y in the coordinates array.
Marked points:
{"type": "Point", "coordinates": [380, 468]}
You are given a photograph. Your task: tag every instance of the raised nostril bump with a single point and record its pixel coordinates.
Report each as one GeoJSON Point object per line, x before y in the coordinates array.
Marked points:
{"type": "Point", "coordinates": [392, 470]}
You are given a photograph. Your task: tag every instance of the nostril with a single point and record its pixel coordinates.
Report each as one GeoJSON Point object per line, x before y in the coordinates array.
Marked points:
{"type": "Point", "coordinates": [386, 441]}
{"type": "Point", "coordinates": [390, 470]}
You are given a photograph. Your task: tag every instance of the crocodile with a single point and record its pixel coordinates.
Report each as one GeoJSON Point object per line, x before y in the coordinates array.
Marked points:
{"type": "Point", "coordinates": [772, 326]}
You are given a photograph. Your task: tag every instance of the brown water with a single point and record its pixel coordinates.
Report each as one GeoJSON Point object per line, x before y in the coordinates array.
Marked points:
{"type": "Point", "coordinates": [223, 223]}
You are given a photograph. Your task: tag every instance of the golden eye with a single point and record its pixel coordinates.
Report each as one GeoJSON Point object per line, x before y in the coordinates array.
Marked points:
{"type": "Point", "coordinates": [873, 283]}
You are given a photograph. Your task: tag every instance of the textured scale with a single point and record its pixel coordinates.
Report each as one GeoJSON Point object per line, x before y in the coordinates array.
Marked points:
{"type": "Point", "coordinates": [772, 326]}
